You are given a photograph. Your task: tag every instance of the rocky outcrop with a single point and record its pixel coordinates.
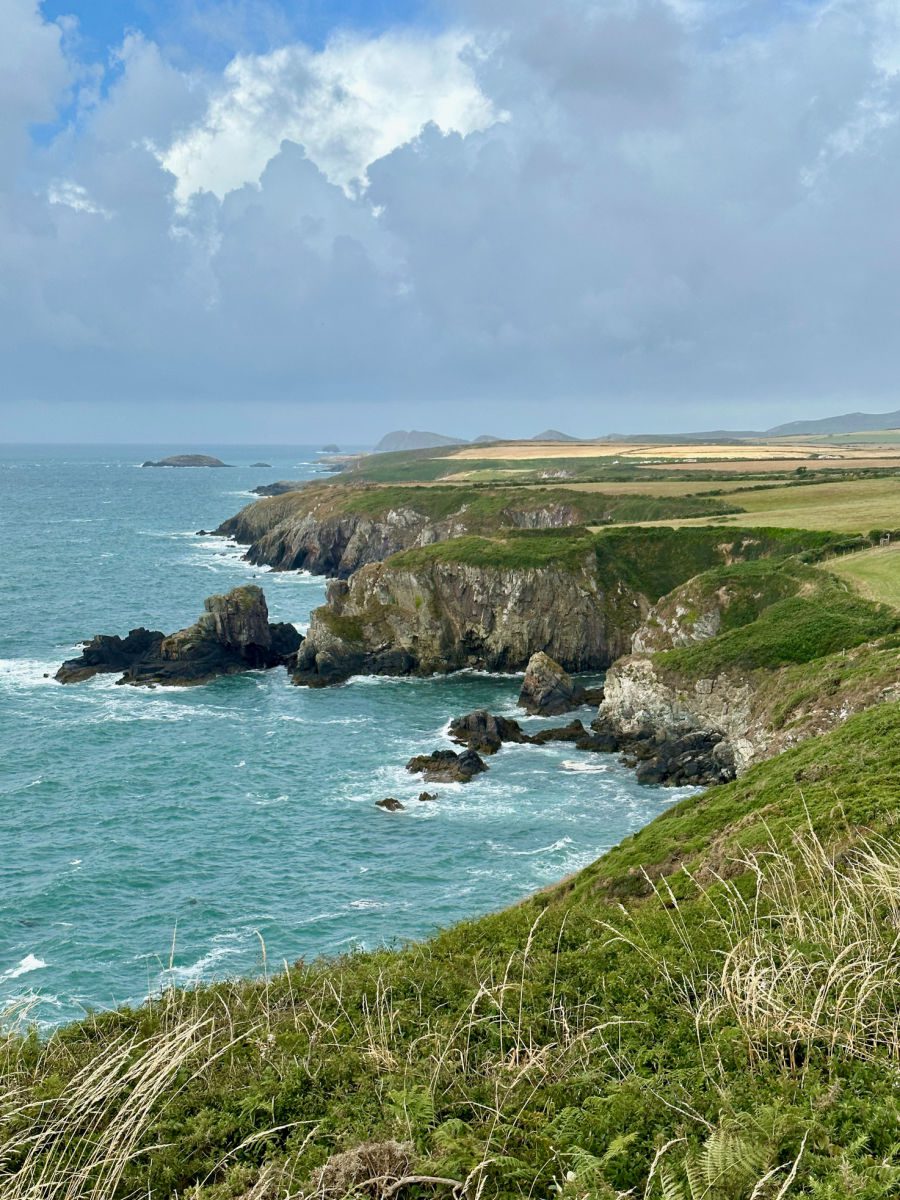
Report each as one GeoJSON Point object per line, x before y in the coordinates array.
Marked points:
{"type": "Point", "coordinates": [334, 529]}
{"type": "Point", "coordinates": [547, 689]}
{"type": "Point", "coordinates": [485, 733]}
{"type": "Point", "coordinates": [447, 616]}
{"type": "Point", "coordinates": [280, 488]}
{"type": "Point", "coordinates": [390, 804]}
{"type": "Point", "coordinates": [233, 634]}
{"type": "Point", "coordinates": [186, 460]}
{"type": "Point", "coordinates": [446, 766]}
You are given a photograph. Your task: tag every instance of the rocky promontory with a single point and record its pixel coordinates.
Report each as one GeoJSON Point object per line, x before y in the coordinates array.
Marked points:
{"type": "Point", "coordinates": [234, 634]}
{"type": "Point", "coordinates": [336, 528]}
{"type": "Point", "coordinates": [186, 460]}
{"type": "Point", "coordinates": [434, 618]}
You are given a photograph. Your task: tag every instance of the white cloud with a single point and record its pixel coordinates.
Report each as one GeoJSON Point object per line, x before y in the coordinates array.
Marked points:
{"type": "Point", "coordinates": [73, 195]}
{"type": "Point", "coordinates": [347, 105]}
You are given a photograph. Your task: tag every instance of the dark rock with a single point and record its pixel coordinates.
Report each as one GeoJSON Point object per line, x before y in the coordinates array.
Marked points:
{"type": "Point", "coordinates": [109, 653]}
{"type": "Point", "coordinates": [573, 732]}
{"type": "Point", "coordinates": [482, 731]}
{"type": "Point", "coordinates": [279, 488]}
{"type": "Point", "coordinates": [428, 795]}
{"type": "Point", "coordinates": [548, 689]}
{"type": "Point", "coordinates": [389, 804]}
{"type": "Point", "coordinates": [261, 464]}
{"type": "Point", "coordinates": [232, 635]}
{"type": "Point", "coordinates": [594, 695]}
{"type": "Point", "coordinates": [446, 766]}
{"type": "Point", "coordinates": [186, 460]}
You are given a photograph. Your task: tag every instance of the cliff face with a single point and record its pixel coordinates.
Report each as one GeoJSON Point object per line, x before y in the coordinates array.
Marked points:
{"type": "Point", "coordinates": [334, 529]}
{"type": "Point", "coordinates": [742, 653]}
{"type": "Point", "coordinates": [317, 530]}
{"type": "Point", "coordinates": [445, 616]}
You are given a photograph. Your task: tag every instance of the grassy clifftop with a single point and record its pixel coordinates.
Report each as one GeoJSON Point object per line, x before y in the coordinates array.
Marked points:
{"type": "Point", "coordinates": [651, 560]}
{"type": "Point", "coordinates": [717, 999]}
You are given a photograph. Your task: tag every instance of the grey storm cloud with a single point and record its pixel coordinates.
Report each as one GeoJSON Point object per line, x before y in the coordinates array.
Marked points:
{"type": "Point", "coordinates": [658, 214]}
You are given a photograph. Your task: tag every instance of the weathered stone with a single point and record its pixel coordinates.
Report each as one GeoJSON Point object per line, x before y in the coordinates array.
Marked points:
{"type": "Point", "coordinates": [389, 804]}
{"type": "Point", "coordinates": [573, 732]}
{"type": "Point", "coordinates": [233, 635]}
{"type": "Point", "coordinates": [446, 766]}
{"type": "Point", "coordinates": [484, 732]}
{"type": "Point", "coordinates": [428, 795]}
{"type": "Point", "coordinates": [548, 689]}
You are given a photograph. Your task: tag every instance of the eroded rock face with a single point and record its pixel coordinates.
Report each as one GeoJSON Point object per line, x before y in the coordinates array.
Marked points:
{"type": "Point", "coordinates": [483, 732]}
{"type": "Point", "coordinates": [449, 616]}
{"type": "Point", "coordinates": [446, 766]}
{"type": "Point", "coordinates": [233, 634]}
{"type": "Point", "coordinates": [315, 528]}
{"type": "Point", "coordinates": [547, 689]}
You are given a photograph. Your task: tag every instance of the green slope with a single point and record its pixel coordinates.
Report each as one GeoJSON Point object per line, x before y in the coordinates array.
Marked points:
{"type": "Point", "coordinates": [716, 998]}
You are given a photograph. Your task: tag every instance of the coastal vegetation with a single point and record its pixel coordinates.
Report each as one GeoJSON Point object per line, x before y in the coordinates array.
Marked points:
{"type": "Point", "coordinates": [713, 1005]}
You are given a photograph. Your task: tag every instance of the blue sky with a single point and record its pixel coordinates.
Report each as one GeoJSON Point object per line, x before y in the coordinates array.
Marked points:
{"type": "Point", "coordinates": [209, 32]}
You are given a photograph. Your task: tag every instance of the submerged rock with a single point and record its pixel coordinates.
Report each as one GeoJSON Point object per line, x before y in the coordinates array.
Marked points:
{"type": "Point", "coordinates": [446, 766]}
{"type": "Point", "coordinates": [428, 795]}
{"type": "Point", "coordinates": [389, 804]}
{"type": "Point", "coordinates": [233, 634]}
{"type": "Point", "coordinates": [548, 689]}
{"type": "Point", "coordinates": [484, 732]}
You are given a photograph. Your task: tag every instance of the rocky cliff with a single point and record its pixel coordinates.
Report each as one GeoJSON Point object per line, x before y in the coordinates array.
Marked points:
{"type": "Point", "coordinates": [450, 616]}
{"type": "Point", "coordinates": [334, 529]}
{"type": "Point", "coordinates": [493, 602]}
{"type": "Point", "coordinates": [761, 655]}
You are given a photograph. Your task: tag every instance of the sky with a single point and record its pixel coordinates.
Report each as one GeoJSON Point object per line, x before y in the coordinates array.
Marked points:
{"type": "Point", "coordinates": [251, 220]}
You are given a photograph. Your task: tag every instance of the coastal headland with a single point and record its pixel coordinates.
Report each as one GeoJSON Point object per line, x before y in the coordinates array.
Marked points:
{"type": "Point", "coordinates": [705, 1007]}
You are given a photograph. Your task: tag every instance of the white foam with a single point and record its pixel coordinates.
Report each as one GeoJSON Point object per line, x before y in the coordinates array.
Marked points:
{"type": "Point", "coordinates": [584, 768]}
{"type": "Point", "coordinates": [27, 672]}
{"type": "Point", "coordinates": [29, 963]}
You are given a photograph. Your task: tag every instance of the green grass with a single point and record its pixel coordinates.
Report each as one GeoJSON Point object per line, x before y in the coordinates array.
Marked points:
{"type": "Point", "coordinates": [874, 573]}
{"type": "Point", "coordinates": [576, 1045]}
{"type": "Point", "coordinates": [652, 560]}
{"type": "Point", "coordinates": [849, 506]}
{"type": "Point", "coordinates": [789, 631]}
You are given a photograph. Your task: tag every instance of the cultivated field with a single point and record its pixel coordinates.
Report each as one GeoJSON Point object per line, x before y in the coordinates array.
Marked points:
{"type": "Point", "coordinates": [850, 506]}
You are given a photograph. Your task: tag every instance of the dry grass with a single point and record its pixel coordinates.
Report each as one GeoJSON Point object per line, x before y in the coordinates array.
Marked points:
{"type": "Point", "coordinates": [810, 961]}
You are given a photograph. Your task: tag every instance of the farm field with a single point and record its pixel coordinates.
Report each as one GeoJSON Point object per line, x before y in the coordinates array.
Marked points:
{"type": "Point", "coordinates": [851, 506]}
{"type": "Point", "coordinates": [874, 573]}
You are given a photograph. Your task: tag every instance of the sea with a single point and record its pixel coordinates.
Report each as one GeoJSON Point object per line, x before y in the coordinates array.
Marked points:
{"type": "Point", "coordinates": [151, 837]}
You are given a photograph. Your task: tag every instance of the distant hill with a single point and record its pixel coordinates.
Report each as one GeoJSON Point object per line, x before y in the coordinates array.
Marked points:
{"type": "Point", "coordinates": [414, 439]}
{"type": "Point", "coordinates": [485, 439]}
{"type": "Point", "coordinates": [857, 422]}
{"type": "Point", "coordinates": [553, 435]}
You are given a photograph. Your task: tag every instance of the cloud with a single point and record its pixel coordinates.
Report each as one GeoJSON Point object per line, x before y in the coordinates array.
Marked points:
{"type": "Point", "coordinates": [348, 105]}
{"type": "Point", "coordinates": [634, 214]}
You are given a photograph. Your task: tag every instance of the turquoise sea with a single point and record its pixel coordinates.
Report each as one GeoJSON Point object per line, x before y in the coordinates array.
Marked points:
{"type": "Point", "coordinates": [186, 834]}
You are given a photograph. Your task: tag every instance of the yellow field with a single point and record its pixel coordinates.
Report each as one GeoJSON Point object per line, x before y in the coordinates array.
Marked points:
{"type": "Point", "coordinates": [874, 573]}
{"type": "Point", "coordinates": [658, 452]}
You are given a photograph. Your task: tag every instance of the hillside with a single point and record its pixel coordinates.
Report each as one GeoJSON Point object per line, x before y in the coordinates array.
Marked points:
{"type": "Point", "coordinates": [414, 439]}
{"type": "Point", "coordinates": [717, 999]}
{"type": "Point", "coordinates": [843, 423]}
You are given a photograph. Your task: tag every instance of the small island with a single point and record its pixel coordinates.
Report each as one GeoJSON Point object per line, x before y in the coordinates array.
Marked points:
{"type": "Point", "coordinates": [331, 448]}
{"type": "Point", "coordinates": [188, 460]}
{"type": "Point", "coordinates": [259, 464]}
